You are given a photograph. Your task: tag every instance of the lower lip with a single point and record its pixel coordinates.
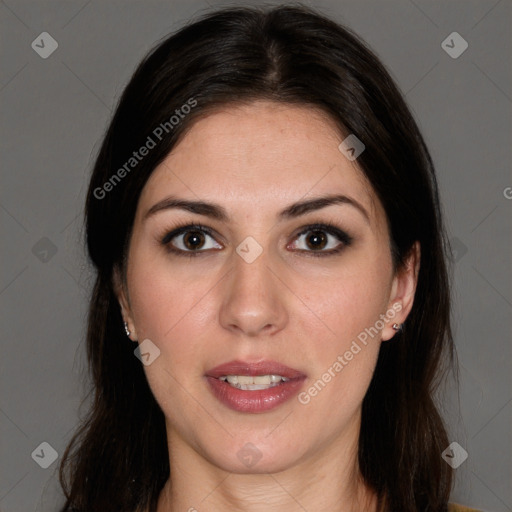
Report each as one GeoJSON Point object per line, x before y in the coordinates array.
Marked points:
{"type": "Point", "coordinates": [260, 400]}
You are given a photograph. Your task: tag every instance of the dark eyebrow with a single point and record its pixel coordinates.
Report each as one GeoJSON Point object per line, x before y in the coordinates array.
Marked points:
{"type": "Point", "coordinates": [217, 212]}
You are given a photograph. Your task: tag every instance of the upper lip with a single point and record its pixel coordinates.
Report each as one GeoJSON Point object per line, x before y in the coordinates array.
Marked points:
{"type": "Point", "coordinates": [238, 367]}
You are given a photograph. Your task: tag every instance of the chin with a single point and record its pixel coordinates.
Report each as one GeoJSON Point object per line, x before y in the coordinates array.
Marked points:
{"type": "Point", "coordinates": [251, 459]}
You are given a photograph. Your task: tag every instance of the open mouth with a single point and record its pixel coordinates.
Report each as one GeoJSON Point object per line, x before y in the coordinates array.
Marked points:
{"type": "Point", "coordinates": [253, 383]}
{"type": "Point", "coordinates": [254, 387]}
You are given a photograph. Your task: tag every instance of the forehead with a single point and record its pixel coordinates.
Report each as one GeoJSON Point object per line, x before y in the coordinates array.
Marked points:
{"type": "Point", "coordinates": [259, 157]}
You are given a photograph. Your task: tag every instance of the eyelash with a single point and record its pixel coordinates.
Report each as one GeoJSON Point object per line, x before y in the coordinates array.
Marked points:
{"type": "Point", "coordinates": [342, 236]}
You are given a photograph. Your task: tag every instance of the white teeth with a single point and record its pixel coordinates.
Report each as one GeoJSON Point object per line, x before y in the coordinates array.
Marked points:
{"type": "Point", "coordinates": [252, 383]}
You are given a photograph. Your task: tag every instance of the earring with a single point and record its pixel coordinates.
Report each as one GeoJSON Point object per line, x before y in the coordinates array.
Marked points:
{"type": "Point", "coordinates": [126, 329]}
{"type": "Point", "coordinates": [397, 327]}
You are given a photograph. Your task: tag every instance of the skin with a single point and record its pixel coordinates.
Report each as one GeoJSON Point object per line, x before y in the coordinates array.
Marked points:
{"type": "Point", "coordinates": [288, 306]}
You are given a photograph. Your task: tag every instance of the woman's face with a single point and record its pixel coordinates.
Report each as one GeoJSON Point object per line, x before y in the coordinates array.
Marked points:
{"type": "Point", "coordinates": [261, 286]}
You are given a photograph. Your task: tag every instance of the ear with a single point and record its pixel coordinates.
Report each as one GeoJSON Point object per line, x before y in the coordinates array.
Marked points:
{"type": "Point", "coordinates": [403, 289]}
{"type": "Point", "coordinates": [124, 301]}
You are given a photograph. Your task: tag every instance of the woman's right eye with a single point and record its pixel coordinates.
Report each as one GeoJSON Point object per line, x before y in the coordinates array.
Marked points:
{"type": "Point", "coordinates": [189, 240]}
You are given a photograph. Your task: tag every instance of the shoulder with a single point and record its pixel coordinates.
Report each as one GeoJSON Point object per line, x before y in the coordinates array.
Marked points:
{"type": "Point", "coordinates": [453, 507]}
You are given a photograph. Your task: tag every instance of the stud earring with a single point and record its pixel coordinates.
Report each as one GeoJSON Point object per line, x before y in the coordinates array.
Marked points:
{"type": "Point", "coordinates": [397, 327]}
{"type": "Point", "coordinates": [126, 329]}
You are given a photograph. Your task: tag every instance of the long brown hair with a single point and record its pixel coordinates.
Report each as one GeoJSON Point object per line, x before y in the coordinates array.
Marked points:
{"type": "Point", "coordinates": [118, 459]}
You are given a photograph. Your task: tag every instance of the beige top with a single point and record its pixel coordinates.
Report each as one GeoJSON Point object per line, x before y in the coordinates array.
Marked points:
{"type": "Point", "coordinates": [453, 507]}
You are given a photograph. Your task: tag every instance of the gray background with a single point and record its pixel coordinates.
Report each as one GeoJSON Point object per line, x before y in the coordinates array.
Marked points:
{"type": "Point", "coordinates": [53, 114]}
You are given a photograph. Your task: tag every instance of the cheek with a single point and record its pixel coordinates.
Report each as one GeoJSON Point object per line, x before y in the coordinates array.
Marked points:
{"type": "Point", "coordinates": [165, 300]}
{"type": "Point", "coordinates": [349, 298]}
{"type": "Point", "coordinates": [172, 311]}
{"type": "Point", "coordinates": [345, 331]}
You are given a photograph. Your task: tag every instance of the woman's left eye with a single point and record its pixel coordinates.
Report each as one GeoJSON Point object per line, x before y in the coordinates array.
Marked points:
{"type": "Point", "coordinates": [316, 240]}
{"type": "Point", "coordinates": [191, 240]}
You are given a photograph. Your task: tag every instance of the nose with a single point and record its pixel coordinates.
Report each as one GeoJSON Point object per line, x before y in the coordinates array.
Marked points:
{"type": "Point", "coordinates": [253, 297]}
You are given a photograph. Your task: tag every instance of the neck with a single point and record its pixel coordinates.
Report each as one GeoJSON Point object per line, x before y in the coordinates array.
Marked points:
{"type": "Point", "coordinates": [328, 479]}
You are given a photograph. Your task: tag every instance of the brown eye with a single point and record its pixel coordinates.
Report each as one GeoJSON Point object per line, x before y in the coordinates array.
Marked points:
{"type": "Point", "coordinates": [190, 240]}
{"type": "Point", "coordinates": [193, 240]}
{"type": "Point", "coordinates": [316, 240]}
{"type": "Point", "coordinates": [312, 240]}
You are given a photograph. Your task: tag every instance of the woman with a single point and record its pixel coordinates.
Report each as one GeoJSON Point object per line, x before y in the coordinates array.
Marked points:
{"type": "Point", "coordinates": [265, 223]}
